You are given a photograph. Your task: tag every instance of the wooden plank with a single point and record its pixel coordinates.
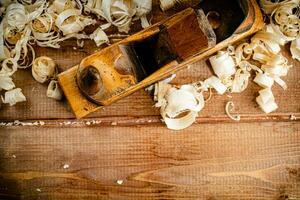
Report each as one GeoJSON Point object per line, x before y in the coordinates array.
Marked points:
{"type": "Point", "coordinates": [223, 161]}
{"type": "Point", "coordinates": [140, 104]}
{"type": "Point", "coordinates": [38, 106]}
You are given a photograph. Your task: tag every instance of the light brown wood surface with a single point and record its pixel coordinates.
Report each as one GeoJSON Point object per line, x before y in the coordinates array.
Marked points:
{"type": "Point", "coordinates": [215, 159]}
{"type": "Point", "coordinates": [220, 161]}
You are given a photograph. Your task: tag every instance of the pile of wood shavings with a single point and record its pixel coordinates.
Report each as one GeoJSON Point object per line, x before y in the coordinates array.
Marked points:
{"type": "Point", "coordinates": [28, 22]}
{"type": "Point", "coordinates": [233, 67]}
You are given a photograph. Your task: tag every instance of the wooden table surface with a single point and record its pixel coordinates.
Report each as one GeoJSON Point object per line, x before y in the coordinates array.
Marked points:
{"type": "Point", "coordinates": [216, 158]}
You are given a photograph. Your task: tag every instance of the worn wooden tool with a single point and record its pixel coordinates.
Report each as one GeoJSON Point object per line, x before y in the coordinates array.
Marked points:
{"type": "Point", "coordinates": [156, 52]}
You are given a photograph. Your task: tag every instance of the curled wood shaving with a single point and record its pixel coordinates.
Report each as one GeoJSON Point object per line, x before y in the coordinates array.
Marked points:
{"type": "Point", "coordinates": [167, 4]}
{"type": "Point", "coordinates": [43, 69]}
{"type": "Point", "coordinates": [222, 64]}
{"type": "Point", "coordinates": [9, 67]}
{"type": "Point", "coordinates": [240, 81]}
{"type": "Point", "coordinates": [142, 9]}
{"type": "Point", "coordinates": [229, 108]}
{"type": "Point", "coordinates": [118, 14]}
{"type": "Point", "coordinates": [42, 30]}
{"type": "Point", "coordinates": [100, 37]}
{"type": "Point", "coordinates": [71, 21]}
{"type": "Point", "coordinates": [280, 82]}
{"type": "Point", "coordinates": [179, 107]}
{"type": "Point", "coordinates": [13, 96]}
{"type": "Point", "coordinates": [182, 99]}
{"type": "Point", "coordinates": [54, 90]}
{"type": "Point", "coordinates": [181, 123]}
{"type": "Point", "coordinates": [285, 20]}
{"type": "Point", "coordinates": [243, 52]}
{"type": "Point", "coordinates": [266, 100]}
{"type": "Point", "coordinates": [293, 117]}
{"type": "Point", "coordinates": [59, 6]}
{"type": "Point", "coordinates": [269, 38]}
{"type": "Point", "coordinates": [264, 80]}
{"type": "Point", "coordinates": [214, 82]}
{"type": "Point", "coordinates": [16, 16]}
{"type": "Point", "coordinates": [160, 91]}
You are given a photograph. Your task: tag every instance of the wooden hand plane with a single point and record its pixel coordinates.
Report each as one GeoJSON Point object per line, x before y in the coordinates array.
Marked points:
{"type": "Point", "coordinates": [157, 51]}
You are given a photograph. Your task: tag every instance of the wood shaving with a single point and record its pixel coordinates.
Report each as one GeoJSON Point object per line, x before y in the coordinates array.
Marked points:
{"type": "Point", "coordinates": [142, 9]}
{"type": "Point", "coordinates": [264, 80]}
{"type": "Point", "coordinates": [216, 83]}
{"type": "Point", "coordinates": [222, 64]}
{"type": "Point", "coordinates": [229, 108]}
{"type": "Point", "coordinates": [43, 69]}
{"type": "Point", "coordinates": [179, 107]}
{"type": "Point", "coordinates": [240, 81]}
{"type": "Point", "coordinates": [66, 166]}
{"type": "Point", "coordinates": [14, 96]}
{"type": "Point", "coordinates": [100, 37]}
{"type": "Point", "coordinates": [54, 90]}
{"type": "Point", "coordinates": [266, 100]}
{"type": "Point", "coordinates": [6, 83]}
{"type": "Point", "coordinates": [71, 21]}
{"type": "Point", "coordinates": [285, 20]}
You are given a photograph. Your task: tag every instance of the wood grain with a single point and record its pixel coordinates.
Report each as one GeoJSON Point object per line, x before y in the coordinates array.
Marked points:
{"type": "Point", "coordinates": [38, 106]}
{"type": "Point", "coordinates": [215, 159]}
{"type": "Point", "coordinates": [223, 161]}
